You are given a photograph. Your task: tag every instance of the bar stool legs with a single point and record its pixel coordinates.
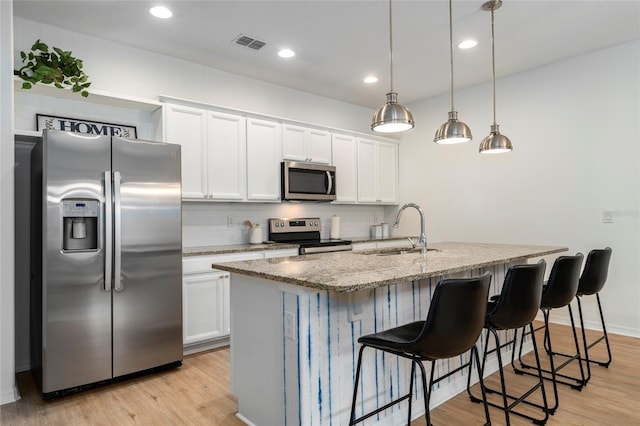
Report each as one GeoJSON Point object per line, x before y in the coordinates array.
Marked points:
{"type": "Point", "coordinates": [426, 387]}
{"type": "Point", "coordinates": [604, 337]}
{"type": "Point", "coordinates": [553, 373]}
{"type": "Point", "coordinates": [507, 406]}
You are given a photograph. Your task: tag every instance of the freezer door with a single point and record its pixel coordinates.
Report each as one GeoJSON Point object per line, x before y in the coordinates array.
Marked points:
{"type": "Point", "coordinates": [76, 309]}
{"type": "Point", "coordinates": [147, 295]}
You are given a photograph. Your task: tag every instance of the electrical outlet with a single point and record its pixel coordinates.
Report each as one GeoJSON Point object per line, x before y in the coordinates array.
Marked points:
{"type": "Point", "coordinates": [289, 325]}
{"type": "Point", "coordinates": [229, 220]}
{"type": "Point", "coordinates": [607, 216]}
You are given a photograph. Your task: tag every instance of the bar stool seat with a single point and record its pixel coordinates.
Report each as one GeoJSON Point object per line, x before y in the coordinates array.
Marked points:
{"type": "Point", "coordinates": [454, 323]}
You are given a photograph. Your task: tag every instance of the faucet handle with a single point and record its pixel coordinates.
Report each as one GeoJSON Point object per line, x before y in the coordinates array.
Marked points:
{"type": "Point", "coordinates": [416, 245]}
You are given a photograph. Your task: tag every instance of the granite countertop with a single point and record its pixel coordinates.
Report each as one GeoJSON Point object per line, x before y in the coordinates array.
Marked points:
{"type": "Point", "coordinates": [243, 248]}
{"type": "Point", "coordinates": [352, 271]}
{"type": "Point", "coordinates": [234, 248]}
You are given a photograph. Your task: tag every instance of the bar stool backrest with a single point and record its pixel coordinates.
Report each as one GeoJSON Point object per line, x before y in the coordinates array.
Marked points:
{"type": "Point", "coordinates": [562, 285]}
{"type": "Point", "coordinates": [455, 319]}
{"type": "Point", "coordinates": [595, 271]}
{"type": "Point", "coordinates": [520, 298]}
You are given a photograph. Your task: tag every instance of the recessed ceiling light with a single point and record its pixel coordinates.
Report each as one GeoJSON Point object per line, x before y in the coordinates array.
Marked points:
{"type": "Point", "coordinates": [370, 79]}
{"type": "Point", "coordinates": [286, 53]}
{"type": "Point", "coordinates": [161, 12]}
{"type": "Point", "coordinates": [467, 44]}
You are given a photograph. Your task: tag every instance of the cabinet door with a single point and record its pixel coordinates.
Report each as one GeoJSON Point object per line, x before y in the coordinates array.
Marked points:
{"type": "Point", "coordinates": [367, 171]}
{"type": "Point", "coordinates": [319, 146]}
{"type": "Point", "coordinates": [264, 151]}
{"type": "Point", "coordinates": [293, 143]}
{"type": "Point", "coordinates": [204, 306]}
{"type": "Point", "coordinates": [188, 127]}
{"type": "Point", "coordinates": [387, 173]}
{"type": "Point", "coordinates": [226, 145]}
{"type": "Point", "coordinates": [345, 157]}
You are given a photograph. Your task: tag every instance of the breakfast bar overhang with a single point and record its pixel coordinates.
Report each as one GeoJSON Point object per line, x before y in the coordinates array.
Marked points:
{"type": "Point", "coordinates": [295, 323]}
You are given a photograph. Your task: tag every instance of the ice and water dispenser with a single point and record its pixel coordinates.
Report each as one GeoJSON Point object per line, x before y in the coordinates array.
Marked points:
{"type": "Point", "coordinates": [80, 224]}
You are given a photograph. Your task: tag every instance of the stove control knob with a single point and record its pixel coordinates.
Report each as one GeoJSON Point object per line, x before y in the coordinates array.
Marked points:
{"type": "Point", "coordinates": [315, 223]}
{"type": "Point", "coordinates": [282, 224]}
{"type": "Point", "coordinates": [277, 224]}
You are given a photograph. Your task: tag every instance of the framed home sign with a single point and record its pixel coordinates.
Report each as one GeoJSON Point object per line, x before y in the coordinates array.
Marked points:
{"type": "Point", "coordinates": [53, 122]}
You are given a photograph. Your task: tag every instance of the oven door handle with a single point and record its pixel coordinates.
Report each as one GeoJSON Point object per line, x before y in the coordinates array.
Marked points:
{"type": "Point", "coordinates": [330, 182]}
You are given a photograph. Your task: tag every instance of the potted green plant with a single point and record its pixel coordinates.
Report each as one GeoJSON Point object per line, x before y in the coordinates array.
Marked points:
{"type": "Point", "coordinates": [58, 67]}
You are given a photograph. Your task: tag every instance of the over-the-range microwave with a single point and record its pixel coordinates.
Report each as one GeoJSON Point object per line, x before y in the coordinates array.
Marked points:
{"type": "Point", "coordinates": [308, 182]}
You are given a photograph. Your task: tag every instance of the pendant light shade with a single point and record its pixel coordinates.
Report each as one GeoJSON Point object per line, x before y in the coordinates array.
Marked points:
{"type": "Point", "coordinates": [391, 117]}
{"type": "Point", "coordinates": [453, 131]}
{"type": "Point", "coordinates": [495, 143]}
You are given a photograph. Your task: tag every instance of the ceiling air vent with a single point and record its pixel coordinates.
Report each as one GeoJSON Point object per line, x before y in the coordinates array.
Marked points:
{"type": "Point", "coordinates": [245, 40]}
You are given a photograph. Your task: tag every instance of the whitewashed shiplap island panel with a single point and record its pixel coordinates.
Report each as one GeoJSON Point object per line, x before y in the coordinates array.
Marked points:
{"type": "Point", "coordinates": [295, 323]}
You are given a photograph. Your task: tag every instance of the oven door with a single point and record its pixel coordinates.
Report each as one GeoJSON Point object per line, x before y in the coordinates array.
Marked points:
{"type": "Point", "coordinates": [308, 182]}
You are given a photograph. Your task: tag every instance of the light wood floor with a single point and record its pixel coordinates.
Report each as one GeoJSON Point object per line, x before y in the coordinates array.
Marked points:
{"type": "Point", "coordinates": [198, 393]}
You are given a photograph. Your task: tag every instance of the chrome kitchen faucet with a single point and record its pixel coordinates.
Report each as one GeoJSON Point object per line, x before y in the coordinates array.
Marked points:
{"type": "Point", "coordinates": [423, 238]}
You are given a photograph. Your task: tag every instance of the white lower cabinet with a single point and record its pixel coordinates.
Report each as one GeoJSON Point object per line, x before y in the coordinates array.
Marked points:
{"type": "Point", "coordinates": [205, 298]}
{"type": "Point", "coordinates": [206, 313]}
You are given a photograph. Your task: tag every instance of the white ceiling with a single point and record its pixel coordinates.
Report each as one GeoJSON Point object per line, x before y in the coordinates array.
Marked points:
{"type": "Point", "coordinates": [339, 42]}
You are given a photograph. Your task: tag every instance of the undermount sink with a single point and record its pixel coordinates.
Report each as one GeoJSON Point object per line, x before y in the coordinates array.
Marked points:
{"type": "Point", "coordinates": [394, 251]}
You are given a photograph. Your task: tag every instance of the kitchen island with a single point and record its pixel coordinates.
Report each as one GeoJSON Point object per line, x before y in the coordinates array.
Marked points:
{"type": "Point", "coordinates": [295, 323]}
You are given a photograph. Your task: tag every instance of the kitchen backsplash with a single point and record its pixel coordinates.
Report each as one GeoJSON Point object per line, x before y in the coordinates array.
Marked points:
{"type": "Point", "coordinates": [205, 224]}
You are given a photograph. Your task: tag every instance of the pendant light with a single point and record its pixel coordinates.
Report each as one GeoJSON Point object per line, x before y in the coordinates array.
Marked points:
{"type": "Point", "coordinates": [495, 143]}
{"type": "Point", "coordinates": [391, 117]}
{"type": "Point", "coordinates": [453, 131]}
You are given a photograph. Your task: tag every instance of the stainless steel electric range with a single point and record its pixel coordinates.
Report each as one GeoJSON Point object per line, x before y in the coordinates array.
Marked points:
{"type": "Point", "coordinates": [306, 233]}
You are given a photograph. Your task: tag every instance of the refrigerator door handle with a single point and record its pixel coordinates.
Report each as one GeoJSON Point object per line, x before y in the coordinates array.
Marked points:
{"type": "Point", "coordinates": [108, 231]}
{"type": "Point", "coordinates": [117, 240]}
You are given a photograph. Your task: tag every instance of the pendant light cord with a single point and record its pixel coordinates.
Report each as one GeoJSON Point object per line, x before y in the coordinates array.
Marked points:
{"type": "Point", "coordinates": [390, 48]}
{"type": "Point", "coordinates": [493, 66]}
{"type": "Point", "coordinates": [451, 50]}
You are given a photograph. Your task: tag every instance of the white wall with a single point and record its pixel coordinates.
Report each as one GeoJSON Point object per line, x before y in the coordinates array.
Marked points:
{"type": "Point", "coordinates": [8, 392]}
{"type": "Point", "coordinates": [127, 70]}
{"type": "Point", "coordinates": [575, 128]}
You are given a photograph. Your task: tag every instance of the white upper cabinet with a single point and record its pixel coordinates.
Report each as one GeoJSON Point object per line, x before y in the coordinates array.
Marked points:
{"type": "Point", "coordinates": [306, 144]}
{"type": "Point", "coordinates": [377, 172]}
{"type": "Point", "coordinates": [187, 127]}
{"type": "Point", "coordinates": [228, 156]}
{"type": "Point", "coordinates": [387, 172]}
{"type": "Point", "coordinates": [213, 152]}
{"type": "Point", "coordinates": [344, 151]}
{"type": "Point", "coordinates": [264, 152]}
{"type": "Point", "coordinates": [226, 153]}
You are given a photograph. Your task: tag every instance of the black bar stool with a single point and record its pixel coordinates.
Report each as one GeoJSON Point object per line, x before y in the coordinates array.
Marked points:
{"type": "Point", "coordinates": [558, 292]}
{"type": "Point", "coordinates": [516, 307]}
{"type": "Point", "coordinates": [593, 277]}
{"type": "Point", "coordinates": [454, 323]}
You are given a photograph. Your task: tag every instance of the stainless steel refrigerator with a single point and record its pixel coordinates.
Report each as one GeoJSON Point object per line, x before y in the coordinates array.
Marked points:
{"type": "Point", "coordinates": [106, 290]}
